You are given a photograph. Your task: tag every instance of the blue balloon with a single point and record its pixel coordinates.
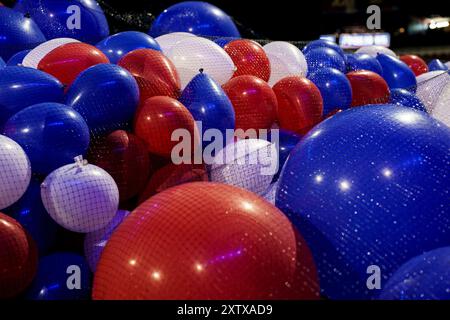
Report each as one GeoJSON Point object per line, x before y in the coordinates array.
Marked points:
{"type": "Point", "coordinates": [368, 186]}
{"type": "Point", "coordinates": [2, 63]}
{"type": "Point", "coordinates": [208, 103]}
{"type": "Point", "coordinates": [426, 277]}
{"type": "Point", "coordinates": [335, 89]}
{"type": "Point", "coordinates": [106, 96]}
{"type": "Point", "coordinates": [361, 61]}
{"type": "Point", "coordinates": [119, 44]}
{"type": "Point", "coordinates": [22, 87]}
{"type": "Point", "coordinates": [436, 65]}
{"type": "Point", "coordinates": [17, 59]}
{"type": "Point", "coordinates": [222, 42]}
{"type": "Point", "coordinates": [52, 281]}
{"type": "Point", "coordinates": [320, 43]}
{"type": "Point", "coordinates": [197, 17]}
{"type": "Point", "coordinates": [402, 97]}
{"type": "Point", "coordinates": [79, 19]}
{"type": "Point", "coordinates": [17, 33]}
{"type": "Point", "coordinates": [320, 58]}
{"type": "Point", "coordinates": [397, 73]}
{"type": "Point", "coordinates": [51, 134]}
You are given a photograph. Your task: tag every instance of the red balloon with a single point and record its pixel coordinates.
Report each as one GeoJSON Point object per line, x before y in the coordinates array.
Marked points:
{"type": "Point", "coordinates": [67, 61]}
{"type": "Point", "coordinates": [18, 258]}
{"type": "Point", "coordinates": [206, 241]}
{"type": "Point", "coordinates": [415, 63]}
{"type": "Point", "coordinates": [254, 102]}
{"type": "Point", "coordinates": [368, 88]}
{"type": "Point", "coordinates": [249, 58]}
{"type": "Point", "coordinates": [158, 118]}
{"type": "Point", "coordinates": [300, 104]}
{"type": "Point", "coordinates": [154, 72]}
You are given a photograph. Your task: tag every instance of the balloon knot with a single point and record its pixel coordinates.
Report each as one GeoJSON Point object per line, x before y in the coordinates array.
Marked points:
{"type": "Point", "coordinates": [201, 70]}
{"type": "Point", "coordinates": [79, 161]}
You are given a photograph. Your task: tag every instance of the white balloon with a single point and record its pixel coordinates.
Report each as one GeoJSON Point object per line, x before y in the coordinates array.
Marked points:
{"type": "Point", "coordinates": [15, 172]}
{"type": "Point", "coordinates": [285, 60]}
{"type": "Point", "coordinates": [80, 197]}
{"type": "Point", "coordinates": [374, 50]}
{"type": "Point", "coordinates": [441, 110]}
{"type": "Point", "coordinates": [430, 85]}
{"type": "Point", "coordinates": [270, 194]}
{"type": "Point", "coordinates": [195, 53]}
{"type": "Point", "coordinates": [167, 41]}
{"type": "Point", "coordinates": [35, 56]}
{"type": "Point", "coordinates": [448, 64]}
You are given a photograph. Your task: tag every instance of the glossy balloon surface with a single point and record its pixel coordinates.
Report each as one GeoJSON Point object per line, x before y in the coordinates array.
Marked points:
{"type": "Point", "coordinates": [375, 50]}
{"type": "Point", "coordinates": [323, 44]}
{"type": "Point", "coordinates": [402, 97]}
{"type": "Point", "coordinates": [17, 59]}
{"type": "Point", "coordinates": [368, 88]}
{"type": "Point", "coordinates": [168, 40]}
{"type": "Point", "coordinates": [415, 63]}
{"type": "Point", "coordinates": [396, 73]}
{"type": "Point", "coordinates": [320, 58]}
{"type": "Point", "coordinates": [362, 61]}
{"type": "Point", "coordinates": [437, 64]}
{"type": "Point", "coordinates": [34, 57]}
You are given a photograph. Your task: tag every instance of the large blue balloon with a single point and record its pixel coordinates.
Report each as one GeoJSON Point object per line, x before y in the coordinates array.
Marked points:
{"type": "Point", "coordinates": [320, 58]}
{"type": "Point", "coordinates": [367, 187]}
{"type": "Point", "coordinates": [22, 87]}
{"type": "Point", "coordinates": [335, 89]}
{"type": "Point", "coordinates": [118, 45]}
{"type": "Point", "coordinates": [436, 65]}
{"type": "Point", "coordinates": [403, 97]}
{"type": "Point", "coordinates": [361, 61]}
{"type": "Point", "coordinates": [17, 33]}
{"type": "Point", "coordinates": [17, 59]}
{"type": "Point", "coordinates": [51, 134]}
{"type": "Point", "coordinates": [79, 19]}
{"type": "Point", "coordinates": [222, 42]}
{"type": "Point", "coordinates": [61, 276]}
{"type": "Point", "coordinates": [324, 44]}
{"type": "Point", "coordinates": [397, 73]}
{"type": "Point", "coordinates": [106, 96]}
{"type": "Point", "coordinates": [426, 277]}
{"type": "Point", "coordinates": [2, 63]}
{"type": "Point", "coordinates": [197, 17]}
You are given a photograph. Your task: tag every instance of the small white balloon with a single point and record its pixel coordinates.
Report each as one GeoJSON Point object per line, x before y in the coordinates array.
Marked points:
{"type": "Point", "coordinates": [80, 197]}
{"type": "Point", "coordinates": [15, 172]}
{"type": "Point", "coordinates": [167, 41]}
{"type": "Point", "coordinates": [195, 53]}
{"type": "Point", "coordinates": [285, 60]}
{"type": "Point", "coordinates": [35, 56]}
{"type": "Point", "coordinates": [430, 85]}
{"type": "Point", "coordinates": [374, 50]}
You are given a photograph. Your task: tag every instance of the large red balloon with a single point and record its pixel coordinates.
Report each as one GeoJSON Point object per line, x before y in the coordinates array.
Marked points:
{"type": "Point", "coordinates": [67, 61]}
{"type": "Point", "coordinates": [254, 102]}
{"type": "Point", "coordinates": [368, 88]}
{"type": "Point", "coordinates": [205, 241]}
{"type": "Point", "coordinates": [249, 58]}
{"type": "Point", "coordinates": [415, 63]}
{"type": "Point", "coordinates": [155, 74]}
{"type": "Point", "coordinates": [300, 104]}
{"type": "Point", "coordinates": [18, 258]}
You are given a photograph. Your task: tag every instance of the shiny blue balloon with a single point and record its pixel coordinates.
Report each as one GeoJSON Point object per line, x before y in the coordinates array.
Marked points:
{"type": "Point", "coordinates": [51, 134]}
{"type": "Point", "coordinates": [56, 276]}
{"type": "Point", "coordinates": [335, 89]}
{"type": "Point", "coordinates": [426, 277]}
{"type": "Point", "coordinates": [106, 96]}
{"type": "Point", "coordinates": [402, 97]}
{"type": "Point", "coordinates": [320, 58]}
{"type": "Point", "coordinates": [436, 65]}
{"type": "Point", "coordinates": [2, 63]}
{"type": "Point", "coordinates": [222, 42]}
{"type": "Point", "coordinates": [22, 87]}
{"type": "Point", "coordinates": [17, 59]}
{"type": "Point", "coordinates": [17, 33]}
{"type": "Point", "coordinates": [397, 73]}
{"type": "Point", "coordinates": [361, 61]}
{"type": "Point", "coordinates": [368, 186]}
{"type": "Point", "coordinates": [197, 17]}
{"type": "Point", "coordinates": [119, 44]}
{"type": "Point", "coordinates": [79, 19]}
{"type": "Point", "coordinates": [320, 43]}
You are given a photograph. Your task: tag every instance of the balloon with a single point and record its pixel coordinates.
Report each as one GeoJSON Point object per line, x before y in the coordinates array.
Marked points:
{"type": "Point", "coordinates": [156, 121]}
{"type": "Point", "coordinates": [80, 197]}
{"type": "Point", "coordinates": [254, 102]}
{"type": "Point", "coordinates": [95, 242]}
{"type": "Point", "coordinates": [437, 64]}
{"type": "Point", "coordinates": [375, 50]}
{"type": "Point", "coordinates": [425, 277]}
{"type": "Point", "coordinates": [249, 58]}
{"type": "Point", "coordinates": [119, 44]}
{"type": "Point", "coordinates": [300, 105]}
{"type": "Point", "coordinates": [55, 279]}
{"type": "Point", "coordinates": [320, 58]}
{"type": "Point", "coordinates": [402, 97]}
{"type": "Point", "coordinates": [362, 61]}
{"type": "Point", "coordinates": [269, 195]}
{"type": "Point", "coordinates": [430, 86]}
{"type": "Point", "coordinates": [222, 42]}
{"type": "Point", "coordinates": [155, 74]}
{"type": "Point", "coordinates": [197, 17]}
{"type": "Point", "coordinates": [368, 88]}
{"type": "Point", "coordinates": [2, 63]}
{"type": "Point", "coordinates": [335, 89]}
{"type": "Point", "coordinates": [285, 60]}
{"type": "Point", "coordinates": [67, 61]}
{"type": "Point", "coordinates": [15, 172]}
{"type": "Point", "coordinates": [415, 63]}
{"type": "Point", "coordinates": [367, 187]}
{"type": "Point", "coordinates": [209, 104]}
{"type": "Point", "coordinates": [186, 241]}
{"type": "Point", "coordinates": [106, 96]}
{"type": "Point", "coordinates": [195, 53]}
{"type": "Point", "coordinates": [124, 156]}
{"type": "Point", "coordinates": [17, 59]}
{"type": "Point", "coordinates": [80, 19]}
{"type": "Point", "coordinates": [24, 87]}
{"type": "Point", "coordinates": [18, 257]}
{"type": "Point", "coordinates": [324, 44]}
{"type": "Point", "coordinates": [440, 110]}
{"type": "Point", "coordinates": [35, 56]}
{"type": "Point", "coordinates": [17, 33]}
{"type": "Point", "coordinates": [167, 41]}
{"type": "Point", "coordinates": [396, 73]}
{"type": "Point", "coordinates": [51, 134]}
{"type": "Point", "coordinates": [250, 164]}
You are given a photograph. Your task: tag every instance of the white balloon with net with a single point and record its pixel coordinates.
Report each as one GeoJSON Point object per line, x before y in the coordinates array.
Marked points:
{"type": "Point", "coordinates": [35, 56]}
{"type": "Point", "coordinates": [167, 41]}
{"type": "Point", "coordinates": [374, 50]}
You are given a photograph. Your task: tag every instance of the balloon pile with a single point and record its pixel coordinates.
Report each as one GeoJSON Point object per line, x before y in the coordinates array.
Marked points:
{"type": "Point", "coordinates": [185, 162]}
